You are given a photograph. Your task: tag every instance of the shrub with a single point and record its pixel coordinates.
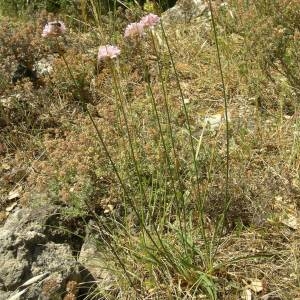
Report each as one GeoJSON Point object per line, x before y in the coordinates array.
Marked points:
{"type": "Point", "coordinates": [25, 7]}
{"type": "Point", "coordinates": [269, 44]}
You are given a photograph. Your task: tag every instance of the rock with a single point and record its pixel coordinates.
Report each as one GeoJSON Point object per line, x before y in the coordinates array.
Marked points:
{"type": "Point", "coordinates": [90, 256]}
{"type": "Point", "coordinates": [24, 71]}
{"type": "Point", "coordinates": [44, 66]}
{"type": "Point", "coordinates": [34, 264]}
{"type": "Point", "coordinates": [34, 73]}
{"type": "Point", "coordinates": [4, 295]}
{"type": "Point", "coordinates": [184, 11]}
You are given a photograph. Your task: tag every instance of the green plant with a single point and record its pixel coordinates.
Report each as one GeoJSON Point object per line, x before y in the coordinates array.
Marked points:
{"type": "Point", "coordinates": [24, 8]}
{"type": "Point", "coordinates": [270, 31]}
{"type": "Point", "coordinates": [141, 145]}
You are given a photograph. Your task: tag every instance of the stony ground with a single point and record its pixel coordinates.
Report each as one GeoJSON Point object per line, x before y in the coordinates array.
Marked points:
{"type": "Point", "coordinates": [62, 208]}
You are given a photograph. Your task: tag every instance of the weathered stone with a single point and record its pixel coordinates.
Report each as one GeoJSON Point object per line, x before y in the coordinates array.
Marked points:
{"type": "Point", "coordinates": [184, 11]}
{"type": "Point", "coordinates": [31, 261]}
{"type": "Point", "coordinates": [90, 256]}
{"type": "Point", "coordinates": [12, 270]}
{"type": "Point", "coordinates": [44, 66]}
{"type": "Point", "coordinates": [4, 295]}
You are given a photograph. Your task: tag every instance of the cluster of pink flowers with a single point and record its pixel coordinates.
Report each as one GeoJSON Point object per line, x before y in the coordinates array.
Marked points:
{"type": "Point", "coordinates": [137, 30]}
{"type": "Point", "coordinates": [150, 20]}
{"type": "Point", "coordinates": [54, 29]}
{"type": "Point", "coordinates": [132, 31]}
{"type": "Point", "coordinates": [108, 52]}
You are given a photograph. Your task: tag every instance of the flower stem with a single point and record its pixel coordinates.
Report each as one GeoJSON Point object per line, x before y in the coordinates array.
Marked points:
{"type": "Point", "coordinates": [221, 223]}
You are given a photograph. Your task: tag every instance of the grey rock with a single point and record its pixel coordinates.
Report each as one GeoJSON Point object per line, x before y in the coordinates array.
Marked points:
{"type": "Point", "coordinates": [30, 260]}
{"type": "Point", "coordinates": [12, 271]}
{"type": "Point", "coordinates": [4, 295]}
{"type": "Point", "coordinates": [184, 11]}
{"type": "Point", "coordinates": [44, 66]}
{"type": "Point", "coordinates": [95, 263]}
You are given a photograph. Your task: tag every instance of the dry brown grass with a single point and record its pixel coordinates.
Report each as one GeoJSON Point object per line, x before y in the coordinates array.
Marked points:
{"type": "Point", "coordinates": [61, 161]}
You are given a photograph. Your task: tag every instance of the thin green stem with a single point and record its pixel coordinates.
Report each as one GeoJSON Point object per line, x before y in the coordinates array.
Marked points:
{"type": "Point", "coordinates": [130, 140]}
{"type": "Point", "coordinates": [165, 97]}
{"type": "Point", "coordinates": [182, 221]}
{"type": "Point", "coordinates": [102, 225]}
{"type": "Point", "coordinates": [100, 137]}
{"type": "Point", "coordinates": [165, 253]}
{"type": "Point", "coordinates": [153, 102]}
{"type": "Point", "coordinates": [221, 223]}
{"type": "Point", "coordinates": [201, 208]}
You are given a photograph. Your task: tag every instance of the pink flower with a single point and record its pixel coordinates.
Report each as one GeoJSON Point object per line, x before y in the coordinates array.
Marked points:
{"type": "Point", "coordinates": [134, 30]}
{"type": "Point", "coordinates": [54, 29]}
{"type": "Point", "coordinates": [108, 52]}
{"type": "Point", "coordinates": [150, 20]}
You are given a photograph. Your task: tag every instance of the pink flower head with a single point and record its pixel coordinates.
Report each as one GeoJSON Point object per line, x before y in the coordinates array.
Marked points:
{"type": "Point", "coordinates": [54, 29]}
{"type": "Point", "coordinates": [134, 30]}
{"type": "Point", "coordinates": [108, 52]}
{"type": "Point", "coordinates": [150, 20]}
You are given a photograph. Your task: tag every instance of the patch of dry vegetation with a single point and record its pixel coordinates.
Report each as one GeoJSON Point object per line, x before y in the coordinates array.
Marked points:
{"type": "Point", "coordinates": [50, 149]}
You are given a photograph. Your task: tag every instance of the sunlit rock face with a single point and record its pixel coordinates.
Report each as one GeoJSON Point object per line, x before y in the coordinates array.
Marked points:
{"type": "Point", "coordinates": [36, 262]}
{"type": "Point", "coordinates": [185, 11]}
